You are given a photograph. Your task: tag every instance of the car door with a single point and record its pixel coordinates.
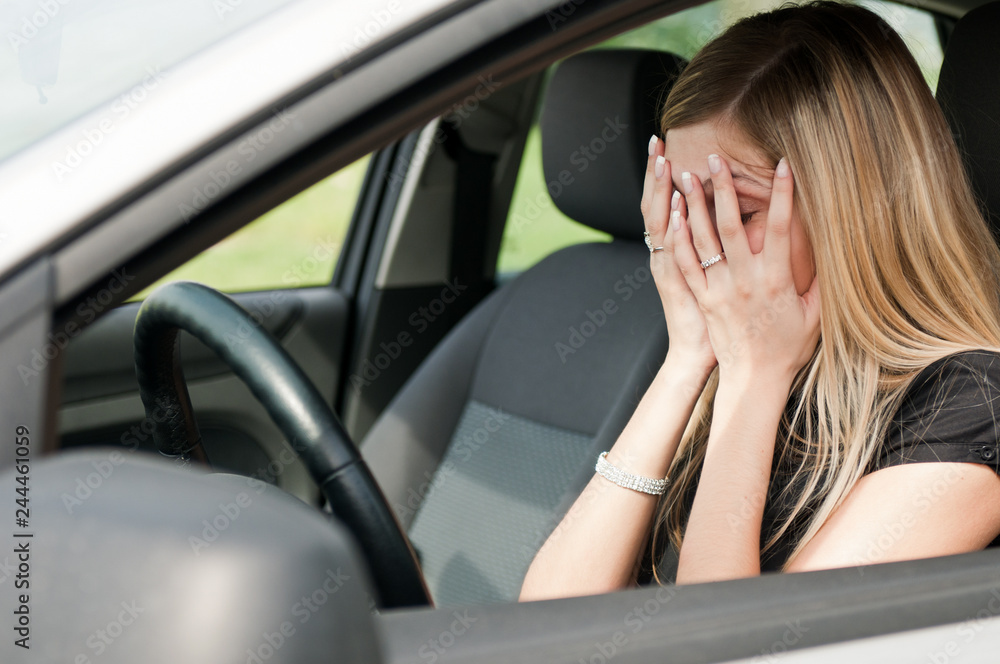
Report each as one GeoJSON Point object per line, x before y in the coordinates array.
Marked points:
{"type": "Point", "coordinates": [330, 273]}
{"type": "Point", "coordinates": [708, 622]}
{"type": "Point", "coordinates": [288, 270]}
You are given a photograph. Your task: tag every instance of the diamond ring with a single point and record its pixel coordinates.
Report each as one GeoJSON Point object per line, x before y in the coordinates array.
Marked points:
{"type": "Point", "coordinates": [712, 261]}
{"type": "Point", "coordinates": [649, 243]}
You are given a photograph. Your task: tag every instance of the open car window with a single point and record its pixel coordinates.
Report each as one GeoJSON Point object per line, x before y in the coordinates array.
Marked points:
{"type": "Point", "coordinates": [296, 244]}
{"type": "Point", "coordinates": [536, 227]}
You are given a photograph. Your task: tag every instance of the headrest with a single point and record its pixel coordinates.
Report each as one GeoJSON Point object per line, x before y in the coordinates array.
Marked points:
{"type": "Point", "coordinates": [969, 93]}
{"type": "Point", "coordinates": [600, 109]}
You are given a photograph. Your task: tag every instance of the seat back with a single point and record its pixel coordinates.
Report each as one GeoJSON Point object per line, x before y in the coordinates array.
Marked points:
{"type": "Point", "coordinates": [493, 438]}
{"type": "Point", "coordinates": [969, 93]}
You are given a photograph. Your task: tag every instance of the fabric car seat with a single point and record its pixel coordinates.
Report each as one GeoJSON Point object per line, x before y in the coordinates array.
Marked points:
{"type": "Point", "coordinates": [491, 440]}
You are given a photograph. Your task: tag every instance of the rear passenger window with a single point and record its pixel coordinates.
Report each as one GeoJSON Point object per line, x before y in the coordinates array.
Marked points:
{"type": "Point", "coordinates": [536, 228]}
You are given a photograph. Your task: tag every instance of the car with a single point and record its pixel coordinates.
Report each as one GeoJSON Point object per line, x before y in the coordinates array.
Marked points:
{"type": "Point", "coordinates": [437, 310]}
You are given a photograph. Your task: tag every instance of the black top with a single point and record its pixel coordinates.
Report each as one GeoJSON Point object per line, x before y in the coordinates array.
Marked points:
{"type": "Point", "coordinates": [951, 412]}
{"type": "Point", "coordinates": [947, 414]}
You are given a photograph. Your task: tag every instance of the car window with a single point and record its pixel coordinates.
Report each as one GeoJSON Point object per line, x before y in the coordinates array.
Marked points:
{"type": "Point", "coordinates": [293, 245]}
{"type": "Point", "coordinates": [536, 228]}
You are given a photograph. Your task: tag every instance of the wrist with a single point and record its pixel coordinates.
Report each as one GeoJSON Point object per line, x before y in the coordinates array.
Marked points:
{"type": "Point", "coordinates": [686, 366]}
{"type": "Point", "coordinates": [766, 385]}
{"type": "Point", "coordinates": [751, 376]}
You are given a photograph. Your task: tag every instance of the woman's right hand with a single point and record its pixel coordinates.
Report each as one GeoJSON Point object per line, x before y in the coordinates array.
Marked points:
{"type": "Point", "coordinates": [689, 342]}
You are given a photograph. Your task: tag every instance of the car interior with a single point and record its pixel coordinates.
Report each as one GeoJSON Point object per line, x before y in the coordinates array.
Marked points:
{"type": "Point", "coordinates": [478, 400]}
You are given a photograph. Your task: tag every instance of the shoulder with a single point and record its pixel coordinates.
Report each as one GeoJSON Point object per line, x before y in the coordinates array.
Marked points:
{"type": "Point", "coordinates": [950, 412]}
{"type": "Point", "coordinates": [969, 377]}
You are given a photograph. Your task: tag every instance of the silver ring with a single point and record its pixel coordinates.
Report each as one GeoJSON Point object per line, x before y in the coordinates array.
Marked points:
{"type": "Point", "coordinates": [712, 261]}
{"type": "Point", "coordinates": [649, 243]}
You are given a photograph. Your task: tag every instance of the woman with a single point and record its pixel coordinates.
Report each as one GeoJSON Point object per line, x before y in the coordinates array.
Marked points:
{"type": "Point", "coordinates": [831, 293]}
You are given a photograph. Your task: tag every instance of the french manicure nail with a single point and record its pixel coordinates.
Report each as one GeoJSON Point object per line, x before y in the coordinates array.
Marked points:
{"type": "Point", "coordinates": [652, 144]}
{"type": "Point", "coordinates": [675, 220]}
{"type": "Point", "coordinates": [688, 185]}
{"type": "Point", "coordinates": [782, 170]}
{"type": "Point", "coordinates": [675, 199]}
{"type": "Point", "coordinates": [714, 164]}
{"type": "Point", "coordinates": [658, 166]}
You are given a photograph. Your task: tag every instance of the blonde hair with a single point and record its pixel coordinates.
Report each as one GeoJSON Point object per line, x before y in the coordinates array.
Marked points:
{"type": "Point", "coordinates": [908, 269]}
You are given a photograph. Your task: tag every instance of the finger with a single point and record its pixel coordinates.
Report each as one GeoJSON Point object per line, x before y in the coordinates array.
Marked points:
{"type": "Point", "coordinates": [705, 241]}
{"type": "Point", "coordinates": [777, 233]}
{"type": "Point", "coordinates": [676, 203]}
{"type": "Point", "coordinates": [685, 257]}
{"type": "Point", "coordinates": [654, 216]}
{"type": "Point", "coordinates": [647, 182]}
{"type": "Point", "coordinates": [662, 190]}
{"type": "Point", "coordinates": [732, 235]}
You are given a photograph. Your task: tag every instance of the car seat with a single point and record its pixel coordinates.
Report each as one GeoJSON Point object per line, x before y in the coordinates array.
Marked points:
{"type": "Point", "coordinates": [969, 94]}
{"type": "Point", "coordinates": [491, 440]}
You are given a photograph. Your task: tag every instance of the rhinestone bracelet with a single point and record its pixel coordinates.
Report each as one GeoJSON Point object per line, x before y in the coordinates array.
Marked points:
{"type": "Point", "coordinates": [628, 480]}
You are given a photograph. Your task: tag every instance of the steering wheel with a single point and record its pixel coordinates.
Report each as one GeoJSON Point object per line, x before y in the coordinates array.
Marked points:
{"type": "Point", "coordinates": [294, 404]}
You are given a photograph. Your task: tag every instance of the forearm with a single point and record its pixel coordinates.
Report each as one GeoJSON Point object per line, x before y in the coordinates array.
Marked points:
{"type": "Point", "coordinates": [595, 547]}
{"type": "Point", "coordinates": [722, 537]}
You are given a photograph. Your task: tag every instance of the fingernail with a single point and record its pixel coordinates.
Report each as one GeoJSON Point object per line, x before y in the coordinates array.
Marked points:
{"type": "Point", "coordinates": [675, 220]}
{"type": "Point", "coordinates": [658, 166]}
{"type": "Point", "coordinates": [714, 164]}
{"type": "Point", "coordinates": [688, 185]}
{"type": "Point", "coordinates": [652, 144]}
{"type": "Point", "coordinates": [675, 199]}
{"type": "Point", "coordinates": [782, 170]}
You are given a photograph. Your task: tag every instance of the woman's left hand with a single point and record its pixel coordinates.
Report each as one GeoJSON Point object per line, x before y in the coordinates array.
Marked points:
{"type": "Point", "coordinates": [756, 319]}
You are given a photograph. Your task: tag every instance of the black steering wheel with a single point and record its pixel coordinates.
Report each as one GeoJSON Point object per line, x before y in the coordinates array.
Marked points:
{"type": "Point", "coordinates": [292, 402]}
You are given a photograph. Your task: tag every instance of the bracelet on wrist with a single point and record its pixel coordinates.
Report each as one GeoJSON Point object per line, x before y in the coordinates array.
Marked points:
{"type": "Point", "coordinates": [627, 480]}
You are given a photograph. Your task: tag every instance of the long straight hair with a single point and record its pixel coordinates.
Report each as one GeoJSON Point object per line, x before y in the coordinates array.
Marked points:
{"type": "Point", "coordinates": [908, 270]}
